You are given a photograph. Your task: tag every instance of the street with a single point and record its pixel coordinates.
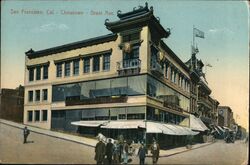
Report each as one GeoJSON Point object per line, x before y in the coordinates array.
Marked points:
{"type": "Point", "coordinates": [44, 149]}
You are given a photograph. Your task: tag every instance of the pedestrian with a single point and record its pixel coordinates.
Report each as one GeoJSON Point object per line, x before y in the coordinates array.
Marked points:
{"type": "Point", "coordinates": [26, 133]}
{"type": "Point", "coordinates": [142, 153]}
{"type": "Point", "coordinates": [100, 152]}
{"type": "Point", "coordinates": [125, 152]}
{"type": "Point", "coordinates": [109, 151]}
{"type": "Point", "coordinates": [116, 152]}
{"type": "Point", "coordinates": [155, 151]}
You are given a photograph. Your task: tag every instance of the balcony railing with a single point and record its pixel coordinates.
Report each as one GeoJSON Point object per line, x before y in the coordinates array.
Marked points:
{"type": "Point", "coordinates": [129, 67]}
{"type": "Point", "coordinates": [157, 68]}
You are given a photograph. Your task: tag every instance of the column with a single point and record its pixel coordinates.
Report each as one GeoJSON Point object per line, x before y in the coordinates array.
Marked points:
{"type": "Point", "coordinates": [101, 63]}
{"type": "Point", "coordinates": [80, 66]}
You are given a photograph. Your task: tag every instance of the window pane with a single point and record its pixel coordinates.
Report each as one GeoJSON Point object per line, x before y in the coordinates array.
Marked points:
{"type": "Point", "coordinates": [86, 87]}
{"type": "Point", "coordinates": [86, 65]}
{"type": "Point", "coordinates": [106, 62]}
{"type": "Point", "coordinates": [45, 94]}
{"type": "Point", "coordinates": [37, 115]}
{"type": "Point", "coordinates": [59, 70]}
{"type": "Point", "coordinates": [119, 86]}
{"type": "Point", "coordinates": [31, 74]}
{"type": "Point", "coordinates": [37, 95]}
{"type": "Point", "coordinates": [96, 63]}
{"type": "Point", "coordinates": [76, 67]}
{"type": "Point", "coordinates": [137, 85]}
{"type": "Point", "coordinates": [45, 115]}
{"type": "Point", "coordinates": [38, 73]}
{"type": "Point", "coordinates": [67, 69]}
{"type": "Point", "coordinates": [45, 72]}
{"type": "Point", "coordinates": [102, 88]}
{"type": "Point", "coordinates": [30, 96]}
{"type": "Point", "coordinates": [30, 115]}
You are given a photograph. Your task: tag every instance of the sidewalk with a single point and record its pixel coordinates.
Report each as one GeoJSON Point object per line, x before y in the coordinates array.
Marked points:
{"type": "Point", "coordinates": [92, 142]}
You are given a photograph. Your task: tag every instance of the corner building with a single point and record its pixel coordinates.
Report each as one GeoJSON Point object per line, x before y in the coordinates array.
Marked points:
{"type": "Point", "coordinates": [126, 83]}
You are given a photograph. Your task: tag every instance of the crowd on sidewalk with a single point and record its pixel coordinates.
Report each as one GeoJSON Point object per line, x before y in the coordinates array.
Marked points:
{"type": "Point", "coordinates": [119, 152]}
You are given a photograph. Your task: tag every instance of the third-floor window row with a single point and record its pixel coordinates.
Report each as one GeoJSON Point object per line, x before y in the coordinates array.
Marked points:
{"type": "Point", "coordinates": [36, 95]}
{"type": "Point", "coordinates": [89, 64]}
{"type": "Point", "coordinates": [38, 73]}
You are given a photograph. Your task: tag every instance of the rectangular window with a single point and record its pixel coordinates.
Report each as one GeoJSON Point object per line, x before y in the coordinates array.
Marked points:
{"type": "Point", "coordinates": [45, 94]}
{"type": "Point", "coordinates": [37, 95]}
{"type": "Point", "coordinates": [166, 71]}
{"type": "Point", "coordinates": [45, 72]}
{"type": "Point", "coordinates": [30, 115]}
{"type": "Point", "coordinates": [67, 69]}
{"type": "Point", "coordinates": [86, 65]}
{"type": "Point", "coordinates": [76, 67]}
{"type": "Point", "coordinates": [106, 61]}
{"type": "Point", "coordinates": [59, 70]}
{"type": "Point", "coordinates": [37, 115]}
{"type": "Point", "coordinates": [30, 96]}
{"type": "Point", "coordinates": [44, 115]}
{"type": "Point", "coordinates": [38, 73]}
{"type": "Point", "coordinates": [31, 74]}
{"type": "Point", "coordinates": [96, 63]}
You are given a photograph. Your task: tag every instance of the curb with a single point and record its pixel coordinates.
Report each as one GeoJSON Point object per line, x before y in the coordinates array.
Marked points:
{"type": "Point", "coordinates": [66, 139]}
{"type": "Point", "coordinates": [187, 150]}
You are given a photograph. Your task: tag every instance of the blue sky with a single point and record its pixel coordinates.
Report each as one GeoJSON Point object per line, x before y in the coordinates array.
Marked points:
{"type": "Point", "coordinates": [225, 46]}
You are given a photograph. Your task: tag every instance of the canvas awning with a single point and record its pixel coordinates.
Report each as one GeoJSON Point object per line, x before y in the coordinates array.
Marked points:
{"type": "Point", "coordinates": [91, 123]}
{"type": "Point", "coordinates": [197, 124]}
{"type": "Point", "coordinates": [126, 124]}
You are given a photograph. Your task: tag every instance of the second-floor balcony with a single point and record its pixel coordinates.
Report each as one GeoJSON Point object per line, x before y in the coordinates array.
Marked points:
{"type": "Point", "coordinates": [156, 68]}
{"type": "Point", "coordinates": [129, 67]}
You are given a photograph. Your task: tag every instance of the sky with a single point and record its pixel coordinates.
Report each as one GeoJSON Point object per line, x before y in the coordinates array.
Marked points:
{"type": "Point", "coordinates": [225, 46]}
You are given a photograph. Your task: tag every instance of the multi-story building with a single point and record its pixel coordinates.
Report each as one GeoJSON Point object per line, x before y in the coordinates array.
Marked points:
{"type": "Point", "coordinates": [227, 114]}
{"type": "Point", "coordinates": [11, 104]}
{"type": "Point", "coordinates": [126, 82]}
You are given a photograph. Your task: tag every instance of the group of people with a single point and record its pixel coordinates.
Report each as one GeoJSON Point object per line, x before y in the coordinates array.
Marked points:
{"type": "Point", "coordinates": [118, 152]}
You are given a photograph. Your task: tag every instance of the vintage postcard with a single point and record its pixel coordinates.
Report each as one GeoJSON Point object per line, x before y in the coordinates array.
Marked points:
{"type": "Point", "coordinates": [124, 82]}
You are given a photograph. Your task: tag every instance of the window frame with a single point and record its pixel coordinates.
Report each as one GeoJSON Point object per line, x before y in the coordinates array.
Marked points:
{"type": "Point", "coordinates": [45, 72]}
{"type": "Point", "coordinates": [43, 112]}
{"type": "Point", "coordinates": [106, 62]}
{"type": "Point", "coordinates": [59, 69]}
{"type": "Point", "coordinates": [38, 74]}
{"type": "Point", "coordinates": [76, 67]}
{"type": "Point", "coordinates": [86, 64]}
{"type": "Point", "coordinates": [31, 74]}
{"type": "Point", "coordinates": [67, 68]}
{"type": "Point", "coordinates": [28, 115]}
{"type": "Point", "coordinates": [37, 97]}
{"type": "Point", "coordinates": [96, 63]}
{"type": "Point", "coordinates": [37, 115]}
{"type": "Point", "coordinates": [43, 95]}
{"type": "Point", "coordinates": [29, 96]}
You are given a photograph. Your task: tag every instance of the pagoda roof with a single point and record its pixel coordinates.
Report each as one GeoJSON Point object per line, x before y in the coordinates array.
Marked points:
{"type": "Point", "coordinates": [137, 18]}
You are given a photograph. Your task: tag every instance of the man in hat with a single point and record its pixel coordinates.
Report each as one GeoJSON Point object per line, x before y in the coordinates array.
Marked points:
{"type": "Point", "coordinates": [125, 152]}
{"type": "Point", "coordinates": [155, 151]}
{"type": "Point", "coordinates": [26, 133]}
{"type": "Point", "coordinates": [109, 151]}
{"type": "Point", "coordinates": [142, 153]}
{"type": "Point", "coordinates": [100, 152]}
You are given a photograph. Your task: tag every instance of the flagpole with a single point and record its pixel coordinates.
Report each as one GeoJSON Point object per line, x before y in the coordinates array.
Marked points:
{"type": "Point", "coordinates": [193, 35]}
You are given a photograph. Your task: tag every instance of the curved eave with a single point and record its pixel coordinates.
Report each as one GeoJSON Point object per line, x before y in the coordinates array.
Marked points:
{"type": "Point", "coordinates": [140, 20]}
{"type": "Point", "coordinates": [72, 46]}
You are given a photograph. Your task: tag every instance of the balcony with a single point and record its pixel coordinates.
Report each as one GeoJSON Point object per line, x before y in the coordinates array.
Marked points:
{"type": "Point", "coordinates": [157, 68]}
{"type": "Point", "coordinates": [129, 67]}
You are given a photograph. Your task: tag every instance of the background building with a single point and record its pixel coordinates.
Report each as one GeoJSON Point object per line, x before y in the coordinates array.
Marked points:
{"type": "Point", "coordinates": [227, 114]}
{"type": "Point", "coordinates": [11, 104]}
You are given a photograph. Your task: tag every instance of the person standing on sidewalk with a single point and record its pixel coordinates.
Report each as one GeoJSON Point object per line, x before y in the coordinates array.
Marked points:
{"type": "Point", "coordinates": [142, 154]}
{"type": "Point", "coordinates": [26, 133]}
{"type": "Point", "coordinates": [100, 152]}
{"type": "Point", "coordinates": [116, 152]}
{"type": "Point", "coordinates": [155, 151]}
{"type": "Point", "coordinates": [125, 152]}
{"type": "Point", "coordinates": [109, 151]}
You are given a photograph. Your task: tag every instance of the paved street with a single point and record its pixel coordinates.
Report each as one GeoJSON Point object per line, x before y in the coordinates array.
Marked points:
{"type": "Point", "coordinates": [45, 149]}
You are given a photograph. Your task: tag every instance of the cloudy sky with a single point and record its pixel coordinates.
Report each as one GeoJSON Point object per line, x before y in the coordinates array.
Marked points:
{"type": "Point", "coordinates": [43, 24]}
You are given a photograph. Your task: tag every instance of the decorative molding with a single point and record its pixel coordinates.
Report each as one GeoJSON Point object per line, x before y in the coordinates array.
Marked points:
{"type": "Point", "coordinates": [36, 65]}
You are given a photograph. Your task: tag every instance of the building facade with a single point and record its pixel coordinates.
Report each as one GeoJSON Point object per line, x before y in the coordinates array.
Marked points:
{"type": "Point", "coordinates": [11, 104]}
{"type": "Point", "coordinates": [128, 82]}
{"type": "Point", "coordinates": [227, 114]}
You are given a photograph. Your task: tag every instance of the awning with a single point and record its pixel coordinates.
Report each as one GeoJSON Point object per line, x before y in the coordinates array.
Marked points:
{"type": "Point", "coordinates": [217, 130]}
{"type": "Point", "coordinates": [126, 124]}
{"type": "Point", "coordinates": [197, 124]}
{"type": "Point", "coordinates": [91, 123]}
{"type": "Point", "coordinates": [179, 130]}
{"type": "Point", "coordinates": [221, 129]}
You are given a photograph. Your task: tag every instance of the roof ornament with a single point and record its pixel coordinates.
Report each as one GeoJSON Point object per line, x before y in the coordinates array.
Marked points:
{"type": "Point", "coordinates": [119, 12]}
{"type": "Point", "coordinates": [158, 18]}
{"type": "Point", "coordinates": [106, 20]}
{"type": "Point", "coordinates": [151, 8]}
{"type": "Point", "coordinates": [146, 4]}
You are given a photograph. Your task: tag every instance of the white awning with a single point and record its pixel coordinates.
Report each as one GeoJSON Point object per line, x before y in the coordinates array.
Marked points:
{"type": "Point", "coordinates": [126, 124]}
{"type": "Point", "coordinates": [91, 123]}
{"type": "Point", "coordinates": [197, 124]}
{"type": "Point", "coordinates": [221, 129]}
{"type": "Point", "coordinates": [179, 130]}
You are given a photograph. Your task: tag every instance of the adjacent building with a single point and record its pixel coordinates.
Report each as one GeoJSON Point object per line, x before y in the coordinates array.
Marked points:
{"type": "Point", "coordinates": [227, 114]}
{"type": "Point", "coordinates": [11, 104]}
